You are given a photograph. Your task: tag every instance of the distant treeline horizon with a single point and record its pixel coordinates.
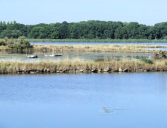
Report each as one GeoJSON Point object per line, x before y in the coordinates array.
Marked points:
{"type": "Point", "coordinates": [92, 29]}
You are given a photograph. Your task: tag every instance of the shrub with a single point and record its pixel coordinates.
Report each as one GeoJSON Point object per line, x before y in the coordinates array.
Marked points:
{"type": "Point", "coordinates": [20, 45]}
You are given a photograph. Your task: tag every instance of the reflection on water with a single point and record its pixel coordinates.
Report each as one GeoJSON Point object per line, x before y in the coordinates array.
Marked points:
{"type": "Point", "coordinates": [109, 110]}
{"type": "Point", "coordinates": [117, 100]}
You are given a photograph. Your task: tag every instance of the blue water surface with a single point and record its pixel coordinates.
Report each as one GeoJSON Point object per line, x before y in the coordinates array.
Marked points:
{"type": "Point", "coordinates": [116, 100]}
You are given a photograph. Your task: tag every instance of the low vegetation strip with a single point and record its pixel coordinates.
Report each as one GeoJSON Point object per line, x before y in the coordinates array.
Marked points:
{"type": "Point", "coordinates": [101, 40]}
{"type": "Point", "coordinates": [97, 48]}
{"type": "Point", "coordinates": [77, 66]}
{"type": "Point", "coordinates": [22, 44]}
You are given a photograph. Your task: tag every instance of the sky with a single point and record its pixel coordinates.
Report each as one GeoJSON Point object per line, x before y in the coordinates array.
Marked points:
{"type": "Point", "coordinates": [147, 12]}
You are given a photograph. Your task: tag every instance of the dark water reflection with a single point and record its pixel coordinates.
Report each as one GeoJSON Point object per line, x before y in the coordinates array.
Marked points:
{"type": "Point", "coordinates": [118, 100]}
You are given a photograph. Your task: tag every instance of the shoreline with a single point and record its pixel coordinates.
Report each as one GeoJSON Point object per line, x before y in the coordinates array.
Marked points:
{"type": "Point", "coordinates": [51, 73]}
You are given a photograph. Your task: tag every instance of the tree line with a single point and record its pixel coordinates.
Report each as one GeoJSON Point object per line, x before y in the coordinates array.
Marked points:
{"type": "Point", "coordinates": [84, 30]}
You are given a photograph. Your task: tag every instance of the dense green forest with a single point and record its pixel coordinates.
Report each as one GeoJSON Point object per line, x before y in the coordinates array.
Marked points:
{"type": "Point", "coordinates": [84, 30]}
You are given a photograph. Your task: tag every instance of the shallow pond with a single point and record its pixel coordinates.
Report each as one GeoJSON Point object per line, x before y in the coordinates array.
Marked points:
{"type": "Point", "coordinates": [84, 56]}
{"type": "Point", "coordinates": [117, 100]}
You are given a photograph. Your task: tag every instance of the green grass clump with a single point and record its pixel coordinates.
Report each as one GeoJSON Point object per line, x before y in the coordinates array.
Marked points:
{"type": "Point", "coordinates": [166, 63]}
{"type": "Point", "coordinates": [148, 61]}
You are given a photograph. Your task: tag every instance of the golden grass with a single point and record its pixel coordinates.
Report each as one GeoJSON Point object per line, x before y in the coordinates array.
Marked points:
{"type": "Point", "coordinates": [92, 48]}
{"type": "Point", "coordinates": [2, 48]}
{"type": "Point", "coordinates": [96, 48]}
{"type": "Point", "coordinates": [77, 64]}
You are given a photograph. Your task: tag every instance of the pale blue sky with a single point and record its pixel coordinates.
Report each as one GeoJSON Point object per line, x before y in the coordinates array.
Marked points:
{"type": "Point", "coordinates": [146, 12]}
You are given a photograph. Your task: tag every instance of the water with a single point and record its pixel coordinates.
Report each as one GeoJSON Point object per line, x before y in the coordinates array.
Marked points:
{"type": "Point", "coordinates": [164, 49]}
{"type": "Point", "coordinates": [117, 100]}
{"type": "Point", "coordinates": [4, 56]}
{"type": "Point", "coordinates": [93, 43]}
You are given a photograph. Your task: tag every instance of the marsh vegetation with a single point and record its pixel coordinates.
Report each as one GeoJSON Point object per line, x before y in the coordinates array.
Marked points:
{"type": "Point", "coordinates": [77, 65]}
{"type": "Point", "coordinates": [98, 48]}
{"type": "Point", "coordinates": [18, 46]}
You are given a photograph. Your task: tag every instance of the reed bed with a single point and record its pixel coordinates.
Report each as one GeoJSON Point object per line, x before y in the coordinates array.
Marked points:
{"type": "Point", "coordinates": [97, 48]}
{"type": "Point", "coordinates": [91, 48]}
{"type": "Point", "coordinates": [77, 65]}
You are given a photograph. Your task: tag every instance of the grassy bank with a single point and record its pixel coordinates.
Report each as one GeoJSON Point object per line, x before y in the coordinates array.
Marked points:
{"type": "Point", "coordinates": [99, 40]}
{"type": "Point", "coordinates": [22, 44]}
{"type": "Point", "coordinates": [90, 48]}
{"type": "Point", "coordinates": [78, 65]}
{"type": "Point", "coordinates": [97, 48]}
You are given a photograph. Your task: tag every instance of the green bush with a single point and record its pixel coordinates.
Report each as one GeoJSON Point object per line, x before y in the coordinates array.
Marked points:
{"type": "Point", "coordinates": [18, 45]}
{"type": "Point", "coordinates": [99, 60]}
